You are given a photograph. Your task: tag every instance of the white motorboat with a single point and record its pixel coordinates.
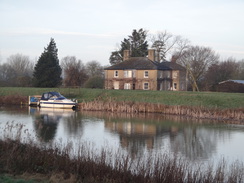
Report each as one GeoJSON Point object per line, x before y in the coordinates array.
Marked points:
{"type": "Point", "coordinates": [56, 100]}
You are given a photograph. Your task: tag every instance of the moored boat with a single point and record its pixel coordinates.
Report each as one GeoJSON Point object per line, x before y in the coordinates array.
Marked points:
{"type": "Point", "coordinates": [56, 100]}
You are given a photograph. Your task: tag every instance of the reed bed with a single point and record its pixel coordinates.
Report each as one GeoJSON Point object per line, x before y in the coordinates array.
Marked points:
{"type": "Point", "coordinates": [13, 100]}
{"type": "Point", "coordinates": [205, 99]}
{"type": "Point", "coordinates": [58, 162]}
{"type": "Point", "coordinates": [234, 115]}
{"type": "Point", "coordinates": [227, 107]}
{"type": "Point", "coordinates": [57, 165]}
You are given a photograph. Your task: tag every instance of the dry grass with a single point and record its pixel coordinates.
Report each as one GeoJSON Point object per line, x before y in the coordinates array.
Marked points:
{"type": "Point", "coordinates": [14, 100]}
{"type": "Point", "coordinates": [227, 107]}
{"type": "Point", "coordinates": [57, 163]}
{"type": "Point", "coordinates": [228, 115]}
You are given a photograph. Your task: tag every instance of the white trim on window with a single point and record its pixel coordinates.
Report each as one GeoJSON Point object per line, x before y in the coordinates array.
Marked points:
{"type": "Point", "coordinates": [175, 86]}
{"type": "Point", "coordinates": [116, 74]}
{"type": "Point", "coordinates": [116, 85]}
{"type": "Point", "coordinates": [127, 86]}
{"type": "Point", "coordinates": [128, 73]}
{"type": "Point", "coordinates": [146, 86]}
{"type": "Point", "coordinates": [146, 74]}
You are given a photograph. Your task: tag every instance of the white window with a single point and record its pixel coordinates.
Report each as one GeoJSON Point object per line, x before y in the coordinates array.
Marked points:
{"type": "Point", "coordinates": [145, 74]}
{"type": "Point", "coordinates": [116, 73]}
{"type": "Point", "coordinates": [133, 73]}
{"type": "Point", "coordinates": [116, 85]}
{"type": "Point", "coordinates": [175, 74]}
{"type": "Point", "coordinates": [127, 74]}
{"type": "Point", "coordinates": [127, 86]}
{"type": "Point", "coordinates": [146, 86]}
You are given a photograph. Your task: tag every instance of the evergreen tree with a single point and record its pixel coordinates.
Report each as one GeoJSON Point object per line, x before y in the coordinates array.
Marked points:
{"type": "Point", "coordinates": [136, 43]}
{"type": "Point", "coordinates": [47, 71]}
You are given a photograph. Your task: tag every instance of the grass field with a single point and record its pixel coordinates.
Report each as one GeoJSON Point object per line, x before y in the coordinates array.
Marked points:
{"type": "Point", "coordinates": [203, 99]}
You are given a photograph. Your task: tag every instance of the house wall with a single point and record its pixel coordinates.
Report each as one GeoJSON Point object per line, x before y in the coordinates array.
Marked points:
{"type": "Point", "coordinates": [182, 81]}
{"type": "Point", "coordinates": [164, 80]}
{"type": "Point", "coordinates": [157, 80]}
{"type": "Point", "coordinates": [136, 81]}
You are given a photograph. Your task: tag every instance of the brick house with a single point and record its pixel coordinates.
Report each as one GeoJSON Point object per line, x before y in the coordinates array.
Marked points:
{"type": "Point", "coordinates": [144, 73]}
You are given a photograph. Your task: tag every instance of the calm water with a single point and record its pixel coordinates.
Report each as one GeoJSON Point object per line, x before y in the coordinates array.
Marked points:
{"type": "Point", "coordinates": [134, 134]}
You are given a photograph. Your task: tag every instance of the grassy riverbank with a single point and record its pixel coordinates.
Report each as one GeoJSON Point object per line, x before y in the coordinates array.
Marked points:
{"type": "Point", "coordinates": [196, 99]}
{"type": "Point", "coordinates": [228, 107]}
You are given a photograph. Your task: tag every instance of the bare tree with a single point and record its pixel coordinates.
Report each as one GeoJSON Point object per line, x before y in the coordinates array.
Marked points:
{"type": "Point", "coordinates": [23, 68]}
{"type": "Point", "coordinates": [197, 60]}
{"type": "Point", "coordinates": [74, 71]}
{"type": "Point", "coordinates": [20, 63]}
{"type": "Point", "coordinates": [7, 75]}
{"type": "Point", "coordinates": [241, 69]}
{"type": "Point", "coordinates": [94, 68]}
{"type": "Point", "coordinates": [221, 71]}
{"type": "Point", "coordinates": [166, 43]}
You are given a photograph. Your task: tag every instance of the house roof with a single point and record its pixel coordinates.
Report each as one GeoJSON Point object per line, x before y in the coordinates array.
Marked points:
{"type": "Point", "coordinates": [143, 63]}
{"type": "Point", "coordinates": [235, 81]}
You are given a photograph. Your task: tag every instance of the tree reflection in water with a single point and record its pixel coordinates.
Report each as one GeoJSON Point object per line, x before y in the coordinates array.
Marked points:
{"type": "Point", "coordinates": [174, 134]}
{"type": "Point", "coordinates": [136, 133]}
{"type": "Point", "coordinates": [46, 122]}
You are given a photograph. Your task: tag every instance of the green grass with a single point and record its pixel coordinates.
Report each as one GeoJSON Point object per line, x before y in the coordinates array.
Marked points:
{"type": "Point", "coordinates": [10, 179]}
{"type": "Point", "coordinates": [205, 99]}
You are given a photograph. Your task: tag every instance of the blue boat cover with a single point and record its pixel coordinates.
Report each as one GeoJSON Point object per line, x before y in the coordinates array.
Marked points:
{"type": "Point", "coordinates": [48, 95]}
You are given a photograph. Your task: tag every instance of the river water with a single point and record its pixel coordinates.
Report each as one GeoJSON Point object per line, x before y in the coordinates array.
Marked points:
{"type": "Point", "coordinates": [135, 134]}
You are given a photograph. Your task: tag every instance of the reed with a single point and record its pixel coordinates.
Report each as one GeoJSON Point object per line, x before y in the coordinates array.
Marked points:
{"type": "Point", "coordinates": [14, 100]}
{"type": "Point", "coordinates": [227, 107]}
{"type": "Point", "coordinates": [57, 165]}
{"type": "Point", "coordinates": [195, 99]}
{"type": "Point", "coordinates": [228, 115]}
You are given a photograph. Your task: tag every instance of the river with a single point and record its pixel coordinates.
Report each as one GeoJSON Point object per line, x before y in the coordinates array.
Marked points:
{"type": "Point", "coordinates": [194, 140]}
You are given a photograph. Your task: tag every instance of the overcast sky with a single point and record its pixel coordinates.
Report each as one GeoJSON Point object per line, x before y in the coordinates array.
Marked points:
{"type": "Point", "coordinates": [92, 29]}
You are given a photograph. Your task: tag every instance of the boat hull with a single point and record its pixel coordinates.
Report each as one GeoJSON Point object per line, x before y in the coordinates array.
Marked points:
{"type": "Point", "coordinates": [67, 104]}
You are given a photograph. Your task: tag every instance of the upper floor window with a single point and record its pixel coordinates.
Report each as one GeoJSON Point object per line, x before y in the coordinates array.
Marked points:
{"type": "Point", "coordinates": [146, 74]}
{"type": "Point", "coordinates": [167, 74]}
{"type": "Point", "coordinates": [160, 74]}
{"type": "Point", "coordinates": [127, 74]}
{"type": "Point", "coordinates": [116, 73]}
{"type": "Point", "coordinates": [175, 74]}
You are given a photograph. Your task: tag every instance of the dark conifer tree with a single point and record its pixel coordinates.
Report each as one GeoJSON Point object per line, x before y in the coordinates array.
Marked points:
{"type": "Point", "coordinates": [47, 71]}
{"type": "Point", "coordinates": [136, 43]}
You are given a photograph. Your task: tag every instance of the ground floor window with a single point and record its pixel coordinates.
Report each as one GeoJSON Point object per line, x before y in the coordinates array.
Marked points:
{"type": "Point", "coordinates": [127, 86]}
{"type": "Point", "coordinates": [146, 86]}
{"type": "Point", "coordinates": [175, 86]}
{"type": "Point", "coordinates": [116, 85]}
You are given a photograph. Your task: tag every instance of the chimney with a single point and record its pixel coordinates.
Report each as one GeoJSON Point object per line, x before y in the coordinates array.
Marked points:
{"type": "Point", "coordinates": [126, 55]}
{"type": "Point", "coordinates": [174, 58]}
{"type": "Point", "coordinates": [151, 54]}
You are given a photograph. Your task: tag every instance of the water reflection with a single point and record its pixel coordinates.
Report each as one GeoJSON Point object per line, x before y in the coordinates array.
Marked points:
{"type": "Point", "coordinates": [135, 134]}
{"type": "Point", "coordinates": [173, 134]}
{"type": "Point", "coordinates": [46, 121]}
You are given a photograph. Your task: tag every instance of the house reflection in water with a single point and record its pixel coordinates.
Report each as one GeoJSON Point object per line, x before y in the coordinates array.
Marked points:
{"type": "Point", "coordinates": [137, 137]}
{"type": "Point", "coordinates": [130, 132]}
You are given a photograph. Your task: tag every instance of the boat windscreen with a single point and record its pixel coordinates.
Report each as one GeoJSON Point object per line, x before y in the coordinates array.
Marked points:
{"type": "Point", "coordinates": [48, 95]}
